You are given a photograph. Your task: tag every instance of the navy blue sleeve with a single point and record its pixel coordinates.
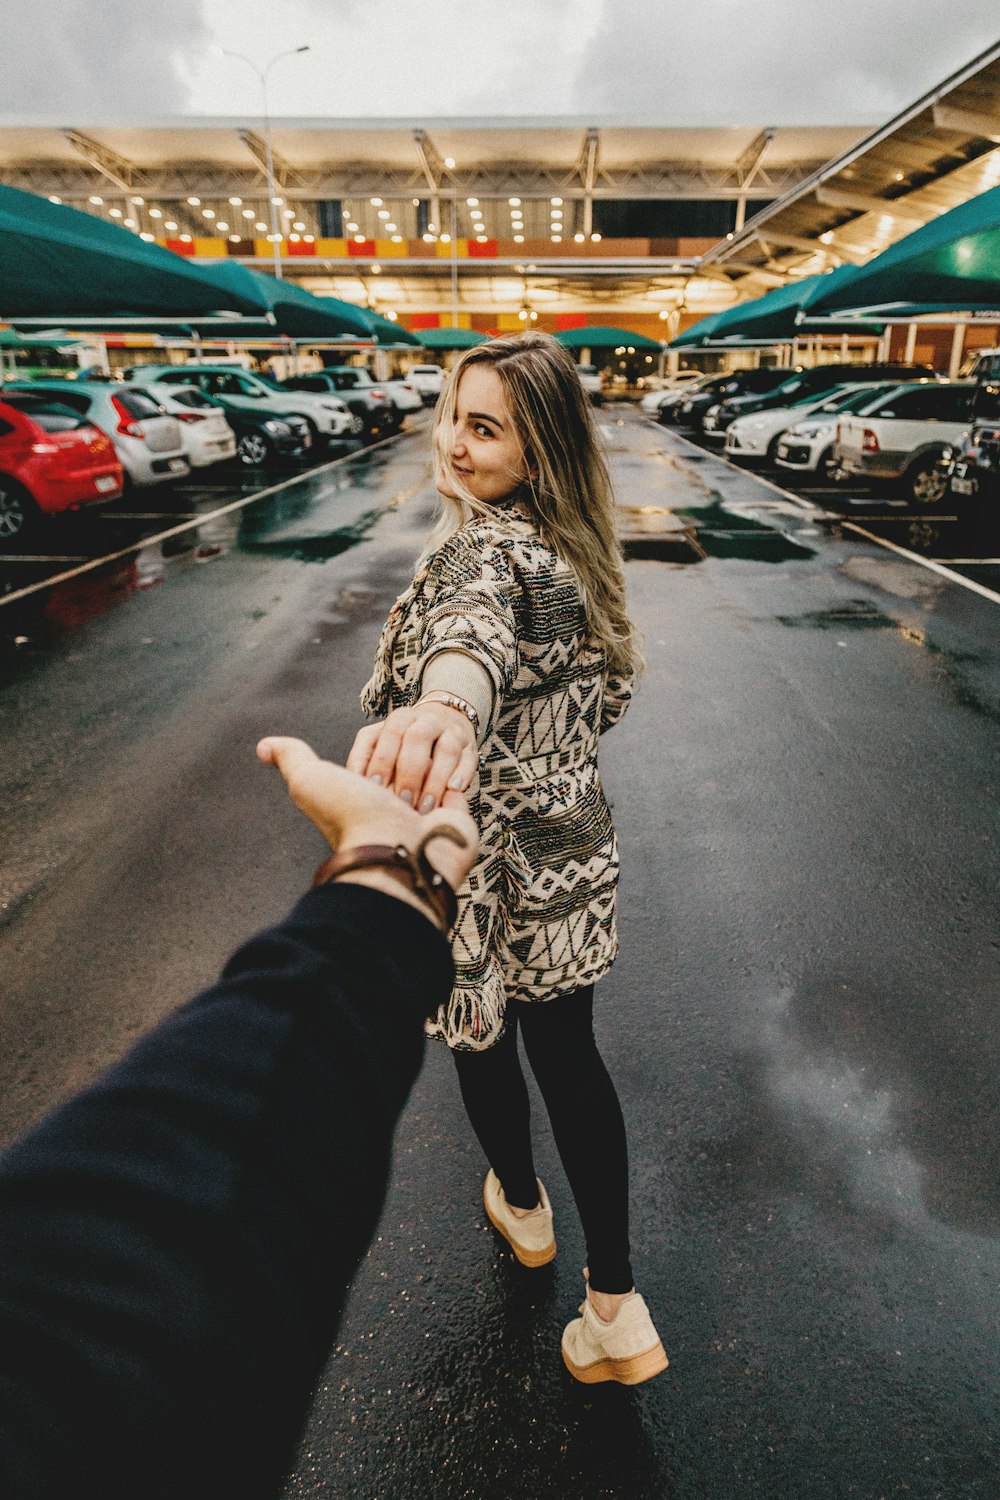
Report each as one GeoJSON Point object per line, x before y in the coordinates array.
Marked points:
{"type": "Point", "coordinates": [177, 1242]}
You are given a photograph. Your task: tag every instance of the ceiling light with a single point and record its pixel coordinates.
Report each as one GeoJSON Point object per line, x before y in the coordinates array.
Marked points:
{"type": "Point", "coordinates": [480, 239]}
{"type": "Point", "coordinates": [295, 237]}
{"type": "Point", "coordinates": [432, 228]}
{"type": "Point", "coordinates": [116, 213]}
{"type": "Point", "coordinates": [519, 239]}
{"type": "Point", "coordinates": [595, 237]}
{"type": "Point", "coordinates": [827, 238]}
{"type": "Point", "coordinates": [397, 239]}
{"type": "Point", "coordinates": [260, 225]}
{"type": "Point", "coordinates": [557, 239]}
{"type": "Point", "coordinates": [390, 315]}
{"type": "Point", "coordinates": [477, 213]}
{"type": "Point", "coordinates": [155, 213]}
{"type": "Point", "coordinates": [248, 213]}
{"type": "Point", "coordinates": [556, 202]}
{"type": "Point", "coordinates": [131, 224]}
{"type": "Point", "coordinates": [235, 238]}
{"type": "Point", "coordinates": [446, 239]}
{"type": "Point", "coordinates": [147, 236]}
{"type": "Point", "coordinates": [221, 226]}
{"type": "Point", "coordinates": [185, 239]}
{"type": "Point", "coordinates": [359, 239]}
{"type": "Point", "coordinates": [416, 202]}
{"type": "Point", "coordinates": [170, 224]}
{"type": "Point", "coordinates": [391, 228]}
{"type": "Point", "coordinates": [277, 202]}
{"type": "Point", "coordinates": [900, 176]}
{"type": "Point", "coordinates": [376, 268]}
{"type": "Point", "coordinates": [375, 202]}
{"type": "Point", "coordinates": [298, 224]}
{"type": "Point", "coordinates": [523, 315]}
{"type": "Point", "coordinates": [384, 213]}
{"type": "Point", "coordinates": [95, 199]}
{"type": "Point", "coordinates": [54, 199]}
{"type": "Point", "coordinates": [472, 202]}
{"type": "Point", "coordinates": [289, 213]}
{"type": "Point", "coordinates": [428, 238]}
{"type": "Point", "coordinates": [579, 238]}
{"type": "Point", "coordinates": [310, 239]}
{"type": "Point", "coordinates": [664, 314]}
{"type": "Point", "coordinates": [449, 162]}
{"type": "Point", "coordinates": [195, 202]}
{"type": "Point", "coordinates": [274, 239]}
{"type": "Point", "coordinates": [208, 213]}
{"type": "Point", "coordinates": [555, 213]}
{"type": "Point", "coordinates": [352, 227]}
{"type": "Point", "coordinates": [514, 202]}
{"type": "Point", "coordinates": [235, 202]}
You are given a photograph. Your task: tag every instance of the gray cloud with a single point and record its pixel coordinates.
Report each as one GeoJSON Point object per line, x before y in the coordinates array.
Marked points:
{"type": "Point", "coordinates": [776, 61]}
{"type": "Point", "coordinates": [98, 62]}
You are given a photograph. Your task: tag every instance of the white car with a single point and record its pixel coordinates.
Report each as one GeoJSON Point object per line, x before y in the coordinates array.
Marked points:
{"type": "Point", "coordinates": [427, 381]}
{"type": "Point", "coordinates": [148, 442]}
{"type": "Point", "coordinates": [808, 446]}
{"type": "Point", "coordinates": [207, 436]}
{"type": "Point", "coordinates": [903, 435]}
{"type": "Point", "coordinates": [757, 435]}
{"type": "Point", "coordinates": [403, 394]}
{"type": "Point", "coordinates": [325, 415]}
{"type": "Point", "coordinates": [590, 379]}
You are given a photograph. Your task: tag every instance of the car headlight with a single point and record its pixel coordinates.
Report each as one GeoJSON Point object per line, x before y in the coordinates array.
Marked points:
{"type": "Point", "coordinates": [805, 432]}
{"type": "Point", "coordinates": [335, 406]}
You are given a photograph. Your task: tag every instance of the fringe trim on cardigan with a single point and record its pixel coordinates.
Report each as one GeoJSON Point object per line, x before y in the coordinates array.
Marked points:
{"type": "Point", "coordinates": [472, 1020]}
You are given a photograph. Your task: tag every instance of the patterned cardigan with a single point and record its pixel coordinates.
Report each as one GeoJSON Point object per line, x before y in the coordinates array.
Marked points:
{"type": "Point", "coordinates": [537, 913]}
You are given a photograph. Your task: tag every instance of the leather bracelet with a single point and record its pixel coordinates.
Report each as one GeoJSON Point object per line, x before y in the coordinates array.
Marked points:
{"type": "Point", "coordinates": [452, 700]}
{"type": "Point", "coordinates": [414, 867]}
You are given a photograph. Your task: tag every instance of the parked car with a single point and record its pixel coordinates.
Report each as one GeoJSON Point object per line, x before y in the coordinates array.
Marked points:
{"type": "Point", "coordinates": [755, 438]}
{"type": "Point", "coordinates": [326, 415]}
{"type": "Point", "coordinates": [258, 437]}
{"type": "Point", "coordinates": [816, 381]}
{"type": "Point", "coordinates": [207, 436]}
{"type": "Point", "coordinates": [693, 409]}
{"type": "Point", "coordinates": [374, 414]}
{"type": "Point", "coordinates": [52, 459]}
{"type": "Point", "coordinates": [428, 380]}
{"type": "Point", "coordinates": [667, 402]}
{"type": "Point", "coordinates": [590, 379]}
{"type": "Point", "coordinates": [902, 437]}
{"type": "Point", "coordinates": [403, 394]}
{"type": "Point", "coordinates": [400, 394]}
{"type": "Point", "coordinates": [671, 387]}
{"type": "Point", "coordinates": [972, 462]}
{"type": "Point", "coordinates": [808, 445]}
{"type": "Point", "coordinates": [147, 441]}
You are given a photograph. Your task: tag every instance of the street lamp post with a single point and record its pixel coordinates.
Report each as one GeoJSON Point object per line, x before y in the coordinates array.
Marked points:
{"type": "Point", "coordinates": [271, 193]}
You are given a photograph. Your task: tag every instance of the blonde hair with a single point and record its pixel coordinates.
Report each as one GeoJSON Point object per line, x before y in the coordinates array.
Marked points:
{"type": "Point", "coordinates": [569, 489]}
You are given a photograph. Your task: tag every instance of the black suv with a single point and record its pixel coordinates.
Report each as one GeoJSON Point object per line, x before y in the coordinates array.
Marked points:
{"type": "Point", "coordinates": [691, 411]}
{"type": "Point", "coordinates": [262, 438]}
{"type": "Point", "coordinates": [973, 463]}
{"type": "Point", "coordinates": [803, 383]}
{"type": "Point", "coordinates": [364, 399]}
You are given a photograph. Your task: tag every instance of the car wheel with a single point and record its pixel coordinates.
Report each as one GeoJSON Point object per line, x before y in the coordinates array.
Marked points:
{"type": "Point", "coordinates": [18, 512]}
{"type": "Point", "coordinates": [313, 432]}
{"type": "Point", "coordinates": [771, 456]}
{"type": "Point", "coordinates": [926, 482]}
{"type": "Point", "coordinates": [357, 426]}
{"type": "Point", "coordinates": [827, 466]}
{"type": "Point", "coordinates": [253, 450]}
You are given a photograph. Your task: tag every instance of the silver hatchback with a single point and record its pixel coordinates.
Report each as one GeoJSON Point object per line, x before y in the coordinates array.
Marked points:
{"type": "Point", "coordinates": [148, 442]}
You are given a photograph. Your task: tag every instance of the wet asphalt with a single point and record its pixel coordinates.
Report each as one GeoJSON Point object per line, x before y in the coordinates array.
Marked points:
{"type": "Point", "coordinates": [802, 1023]}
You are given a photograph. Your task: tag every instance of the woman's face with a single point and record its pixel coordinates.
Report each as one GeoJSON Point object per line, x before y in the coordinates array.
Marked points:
{"type": "Point", "coordinates": [487, 455]}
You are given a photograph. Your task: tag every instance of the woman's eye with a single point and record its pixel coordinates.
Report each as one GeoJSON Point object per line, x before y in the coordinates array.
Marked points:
{"type": "Point", "coordinates": [481, 430]}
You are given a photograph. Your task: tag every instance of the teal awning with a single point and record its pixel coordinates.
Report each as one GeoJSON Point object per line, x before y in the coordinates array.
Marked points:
{"type": "Point", "coordinates": [56, 262]}
{"type": "Point", "coordinates": [696, 333]}
{"type": "Point", "coordinates": [598, 337]}
{"type": "Point", "coordinates": [775, 318]}
{"type": "Point", "coordinates": [450, 338]}
{"type": "Point", "coordinates": [294, 310]}
{"type": "Point", "coordinates": [387, 332]}
{"type": "Point", "coordinates": [950, 264]}
{"type": "Point", "coordinates": [54, 338]}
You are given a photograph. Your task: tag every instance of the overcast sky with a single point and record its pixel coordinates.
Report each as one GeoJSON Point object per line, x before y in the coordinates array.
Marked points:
{"type": "Point", "coordinates": [681, 62]}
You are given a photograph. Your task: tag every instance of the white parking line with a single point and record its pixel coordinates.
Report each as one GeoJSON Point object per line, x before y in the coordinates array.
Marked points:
{"type": "Point", "coordinates": [805, 505]}
{"type": "Point", "coordinates": [209, 515]}
{"type": "Point", "coordinates": [146, 515]}
{"type": "Point", "coordinates": [969, 562]}
{"type": "Point", "coordinates": [26, 557]}
{"type": "Point", "coordinates": [925, 562]}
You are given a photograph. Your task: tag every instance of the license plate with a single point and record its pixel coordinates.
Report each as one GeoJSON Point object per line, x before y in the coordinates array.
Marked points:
{"type": "Point", "coordinates": [963, 486]}
{"type": "Point", "coordinates": [106, 484]}
{"type": "Point", "coordinates": [177, 465]}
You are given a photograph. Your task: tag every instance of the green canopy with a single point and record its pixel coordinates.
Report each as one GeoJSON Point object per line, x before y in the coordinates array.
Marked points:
{"type": "Point", "coordinates": [606, 338]}
{"type": "Point", "coordinates": [696, 334]}
{"type": "Point", "coordinates": [387, 332]}
{"type": "Point", "coordinates": [450, 338]}
{"type": "Point", "coordinates": [56, 261]}
{"type": "Point", "coordinates": [54, 339]}
{"type": "Point", "coordinates": [951, 264]}
{"type": "Point", "coordinates": [294, 310]}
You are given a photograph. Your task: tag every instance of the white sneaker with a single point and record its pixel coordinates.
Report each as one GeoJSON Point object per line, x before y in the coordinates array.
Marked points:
{"type": "Point", "coordinates": [531, 1238]}
{"type": "Point", "coordinates": [627, 1349]}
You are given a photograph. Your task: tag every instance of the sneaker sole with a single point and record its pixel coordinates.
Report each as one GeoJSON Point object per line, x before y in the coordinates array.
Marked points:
{"type": "Point", "coordinates": [530, 1258]}
{"type": "Point", "coordinates": [631, 1371]}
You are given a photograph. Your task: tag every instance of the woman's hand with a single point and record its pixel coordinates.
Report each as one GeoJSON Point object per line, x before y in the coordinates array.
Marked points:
{"type": "Point", "coordinates": [349, 810]}
{"type": "Point", "coordinates": [419, 752]}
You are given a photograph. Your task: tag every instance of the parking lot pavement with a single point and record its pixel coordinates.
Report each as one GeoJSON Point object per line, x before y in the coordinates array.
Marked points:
{"type": "Point", "coordinates": [960, 539]}
{"type": "Point", "coordinates": [801, 1023]}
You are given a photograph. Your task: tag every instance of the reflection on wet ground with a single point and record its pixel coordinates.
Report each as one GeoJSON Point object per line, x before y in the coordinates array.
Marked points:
{"type": "Point", "coordinates": [99, 558]}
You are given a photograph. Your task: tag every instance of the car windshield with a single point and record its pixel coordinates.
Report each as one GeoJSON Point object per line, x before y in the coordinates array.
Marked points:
{"type": "Point", "coordinates": [189, 395]}
{"type": "Point", "coordinates": [138, 404]}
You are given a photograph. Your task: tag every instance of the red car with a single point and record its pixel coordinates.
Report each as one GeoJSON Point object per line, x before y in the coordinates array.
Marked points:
{"type": "Point", "coordinates": [51, 459]}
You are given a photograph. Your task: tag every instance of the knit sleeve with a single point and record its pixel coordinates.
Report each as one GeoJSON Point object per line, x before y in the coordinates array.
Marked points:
{"type": "Point", "coordinates": [618, 690]}
{"type": "Point", "coordinates": [475, 611]}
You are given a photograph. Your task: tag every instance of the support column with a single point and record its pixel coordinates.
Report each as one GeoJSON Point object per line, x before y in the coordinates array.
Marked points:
{"type": "Point", "coordinates": [911, 343]}
{"type": "Point", "coordinates": [957, 346]}
{"type": "Point", "coordinates": [844, 348]}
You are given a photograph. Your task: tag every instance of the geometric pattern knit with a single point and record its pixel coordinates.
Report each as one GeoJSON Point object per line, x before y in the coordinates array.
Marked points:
{"type": "Point", "coordinates": [536, 916]}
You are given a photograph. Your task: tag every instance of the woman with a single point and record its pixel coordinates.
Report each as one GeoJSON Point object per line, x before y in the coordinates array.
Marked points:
{"type": "Point", "coordinates": [500, 665]}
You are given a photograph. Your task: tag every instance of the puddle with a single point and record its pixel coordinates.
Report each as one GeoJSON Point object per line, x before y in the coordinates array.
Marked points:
{"type": "Point", "coordinates": [725, 533]}
{"type": "Point", "coordinates": [855, 614]}
{"type": "Point", "coordinates": [304, 549]}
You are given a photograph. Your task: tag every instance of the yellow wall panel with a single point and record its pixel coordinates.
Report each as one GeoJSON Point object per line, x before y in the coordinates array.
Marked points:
{"type": "Point", "coordinates": [213, 249]}
{"type": "Point", "coordinates": [509, 323]}
{"type": "Point", "coordinates": [461, 249]}
{"type": "Point", "coordinates": [385, 248]}
{"type": "Point", "coordinates": [336, 249]}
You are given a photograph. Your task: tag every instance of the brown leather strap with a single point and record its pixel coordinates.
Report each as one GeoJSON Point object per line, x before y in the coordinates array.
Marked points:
{"type": "Point", "coordinates": [396, 859]}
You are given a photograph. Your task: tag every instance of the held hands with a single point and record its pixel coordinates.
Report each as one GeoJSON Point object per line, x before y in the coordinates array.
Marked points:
{"type": "Point", "coordinates": [425, 754]}
{"type": "Point", "coordinates": [350, 810]}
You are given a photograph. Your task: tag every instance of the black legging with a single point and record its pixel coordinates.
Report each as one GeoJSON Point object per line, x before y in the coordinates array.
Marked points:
{"type": "Point", "coordinates": [586, 1122]}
